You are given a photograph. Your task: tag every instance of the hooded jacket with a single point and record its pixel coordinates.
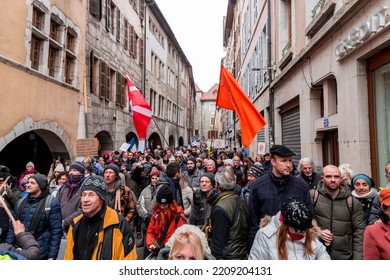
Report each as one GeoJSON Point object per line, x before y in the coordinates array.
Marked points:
{"type": "Point", "coordinates": [265, 244]}
{"type": "Point", "coordinates": [347, 227]}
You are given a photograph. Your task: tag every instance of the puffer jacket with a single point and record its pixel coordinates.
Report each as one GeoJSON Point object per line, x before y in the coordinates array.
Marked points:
{"type": "Point", "coordinates": [121, 246]}
{"type": "Point", "coordinates": [50, 230]}
{"type": "Point", "coordinates": [265, 244]}
{"type": "Point", "coordinates": [347, 227]}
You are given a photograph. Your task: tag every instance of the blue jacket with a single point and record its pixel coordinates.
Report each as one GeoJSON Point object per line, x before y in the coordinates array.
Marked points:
{"type": "Point", "coordinates": [50, 239]}
{"type": "Point", "coordinates": [268, 194]}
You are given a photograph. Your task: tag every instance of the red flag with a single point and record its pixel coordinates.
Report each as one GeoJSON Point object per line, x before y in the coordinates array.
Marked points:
{"type": "Point", "coordinates": [142, 113]}
{"type": "Point", "coordinates": [231, 96]}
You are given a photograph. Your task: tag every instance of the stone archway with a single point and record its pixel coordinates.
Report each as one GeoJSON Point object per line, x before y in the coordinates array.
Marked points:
{"type": "Point", "coordinates": [181, 141]}
{"type": "Point", "coordinates": [171, 141]}
{"type": "Point", "coordinates": [154, 140]}
{"type": "Point", "coordinates": [36, 141]}
{"type": "Point", "coordinates": [105, 142]}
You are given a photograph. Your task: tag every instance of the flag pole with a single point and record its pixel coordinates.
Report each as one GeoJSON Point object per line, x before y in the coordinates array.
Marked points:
{"type": "Point", "coordinates": [160, 131]}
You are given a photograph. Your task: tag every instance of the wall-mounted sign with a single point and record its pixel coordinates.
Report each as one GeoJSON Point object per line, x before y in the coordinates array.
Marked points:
{"type": "Point", "coordinates": [361, 33]}
{"type": "Point", "coordinates": [326, 122]}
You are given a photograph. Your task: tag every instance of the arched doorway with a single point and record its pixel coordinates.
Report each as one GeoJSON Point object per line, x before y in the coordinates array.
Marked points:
{"type": "Point", "coordinates": [181, 141]}
{"type": "Point", "coordinates": [105, 142]}
{"type": "Point", "coordinates": [154, 140]}
{"type": "Point", "coordinates": [39, 146]}
{"type": "Point", "coordinates": [171, 141]}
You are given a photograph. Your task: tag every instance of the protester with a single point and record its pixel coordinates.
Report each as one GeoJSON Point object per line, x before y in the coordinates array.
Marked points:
{"type": "Point", "coordinates": [229, 219]}
{"type": "Point", "coordinates": [41, 215]}
{"type": "Point", "coordinates": [166, 218]}
{"type": "Point", "coordinates": [376, 244]}
{"type": "Point", "coordinates": [289, 235]}
{"type": "Point", "coordinates": [307, 174]}
{"type": "Point", "coordinates": [339, 215]}
{"type": "Point", "coordinates": [274, 188]}
{"type": "Point", "coordinates": [99, 233]}
{"type": "Point", "coordinates": [30, 169]}
{"type": "Point", "coordinates": [253, 173]}
{"type": "Point", "coordinates": [188, 242]}
{"type": "Point", "coordinates": [69, 194]}
{"type": "Point", "coordinates": [27, 248]}
{"type": "Point", "coordinates": [10, 192]}
{"type": "Point", "coordinates": [365, 192]}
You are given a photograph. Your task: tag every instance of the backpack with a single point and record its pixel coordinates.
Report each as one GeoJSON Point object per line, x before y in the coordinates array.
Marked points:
{"type": "Point", "coordinates": [314, 198]}
{"type": "Point", "coordinates": [43, 205]}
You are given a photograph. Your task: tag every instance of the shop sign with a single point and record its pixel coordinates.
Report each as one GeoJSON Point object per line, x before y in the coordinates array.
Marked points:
{"type": "Point", "coordinates": [361, 33]}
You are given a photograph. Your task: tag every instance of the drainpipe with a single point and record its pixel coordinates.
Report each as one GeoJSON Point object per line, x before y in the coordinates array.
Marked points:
{"type": "Point", "coordinates": [269, 61]}
{"type": "Point", "coordinates": [85, 106]}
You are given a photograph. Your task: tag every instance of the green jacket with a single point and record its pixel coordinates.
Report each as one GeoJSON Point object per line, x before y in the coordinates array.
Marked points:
{"type": "Point", "coordinates": [230, 227]}
{"type": "Point", "coordinates": [347, 225]}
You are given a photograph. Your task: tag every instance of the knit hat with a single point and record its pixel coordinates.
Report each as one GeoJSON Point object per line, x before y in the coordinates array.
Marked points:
{"type": "Point", "coordinates": [78, 165]}
{"type": "Point", "coordinates": [228, 161]}
{"type": "Point", "coordinates": [95, 184]}
{"type": "Point", "coordinates": [59, 168]}
{"type": "Point", "coordinates": [113, 167]}
{"type": "Point", "coordinates": [296, 215]}
{"type": "Point", "coordinates": [41, 180]}
{"type": "Point", "coordinates": [30, 164]}
{"type": "Point", "coordinates": [256, 170]}
{"type": "Point", "coordinates": [155, 173]}
{"type": "Point", "coordinates": [164, 195]}
{"type": "Point", "coordinates": [191, 158]}
{"type": "Point", "coordinates": [384, 197]}
{"type": "Point", "coordinates": [210, 176]}
{"type": "Point", "coordinates": [366, 178]}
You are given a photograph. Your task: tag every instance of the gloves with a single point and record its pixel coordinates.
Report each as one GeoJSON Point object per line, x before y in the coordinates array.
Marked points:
{"type": "Point", "coordinates": [197, 198]}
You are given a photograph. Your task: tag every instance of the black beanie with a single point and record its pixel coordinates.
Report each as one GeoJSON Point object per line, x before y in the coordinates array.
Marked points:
{"type": "Point", "coordinates": [41, 180]}
{"type": "Point", "coordinates": [164, 195]}
{"type": "Point", "coordinates": [191, 158]}
{"type": "Point", "coordinates": [95, 184]}
{"type": "Point", "coordinates": [78, 165]}
{"type": "Point", "coordinates": [211, 177]}
{"type": "Point", "coordinates": [296, 215]}
{"type": "Point", "coordinates": [256, 170]}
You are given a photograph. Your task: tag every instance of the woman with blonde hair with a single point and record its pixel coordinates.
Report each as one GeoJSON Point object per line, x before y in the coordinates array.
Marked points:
{"type": "Point", "coordinates": [289, 235]}
{"type": "Point", "coordinates": [188, 242]}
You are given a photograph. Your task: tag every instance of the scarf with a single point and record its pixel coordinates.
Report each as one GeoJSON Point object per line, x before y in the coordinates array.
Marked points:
{"type": "Point", "coordinates": [294, 236]}
{"type": "Point", "coordinates": [72, 183]}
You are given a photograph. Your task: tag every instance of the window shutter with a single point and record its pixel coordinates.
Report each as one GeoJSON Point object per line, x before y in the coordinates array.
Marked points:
{"type": "Point", "coordinates": [108, 15]}
{"type": "Point", "coordinates": [95, 8]}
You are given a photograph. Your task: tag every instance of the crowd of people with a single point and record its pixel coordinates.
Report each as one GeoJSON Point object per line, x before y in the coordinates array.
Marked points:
{"type": "Point", "coordinates": [191, 204]}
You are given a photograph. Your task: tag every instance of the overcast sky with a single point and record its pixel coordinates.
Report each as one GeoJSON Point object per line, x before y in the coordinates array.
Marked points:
{"type": "Point", "coordinates": [198, 27]}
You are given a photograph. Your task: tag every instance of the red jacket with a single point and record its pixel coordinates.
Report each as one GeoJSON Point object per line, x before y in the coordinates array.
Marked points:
{"type": "Point", "coordinates": [376, 242]}
{"type": "Point", "coordinates": [174, 224]}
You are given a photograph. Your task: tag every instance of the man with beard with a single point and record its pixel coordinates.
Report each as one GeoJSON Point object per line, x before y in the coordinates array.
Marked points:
{"type": "Point", "coordinates": [192, 174]}
{"type": "Point", "coordinates": [275, 188]}
{"type": "Point", "coordinates": [307, 173]}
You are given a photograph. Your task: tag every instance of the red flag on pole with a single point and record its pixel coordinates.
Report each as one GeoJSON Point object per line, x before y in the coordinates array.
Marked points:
{"type": "Point", "coordinates": [231, 96]}
{"type": "Point", "coordinates": [142, 113]}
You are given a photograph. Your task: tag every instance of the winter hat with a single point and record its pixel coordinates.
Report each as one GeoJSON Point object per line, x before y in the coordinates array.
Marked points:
{"type": "Point", "coordinates": [155, 173]}
{"type": "Point", "coordinates": [179, 153]}
{"type": "Point", "coordinates": [281, 151]}
{"type": "Point", "coordinates": [191, 158]}
{"type": "Point", "coordinates": [210, 176]}
{"type": "Point", "coordinates": [59, 168]}
{"type": "Point", "coordinates": [164, 195]}
{"type": "Point", "coordinates": [95, 184]}
{"type": "Point", "coordinates": [296, 215]}
{"type": "Point", "coordinates": [384, 197]}
{"type": "Point", "coordinates": [41, 180]}
{"type": "Point", "coordinates": [113, 167]}
{"type": "Point", "coordinates": [366, 178]}
{"type": "Point", "coordinates": [30, 164]}
{"type": "Point", "coordinates": [228, 161]}
{"type": "Point", "coordinates": [256, 170]}
{"type": "Point", "coordinates": [78, 165]}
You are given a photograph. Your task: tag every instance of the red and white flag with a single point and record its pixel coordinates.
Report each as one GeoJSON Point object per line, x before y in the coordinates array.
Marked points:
{"type": "Point", "coordinates": [142, 113]}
